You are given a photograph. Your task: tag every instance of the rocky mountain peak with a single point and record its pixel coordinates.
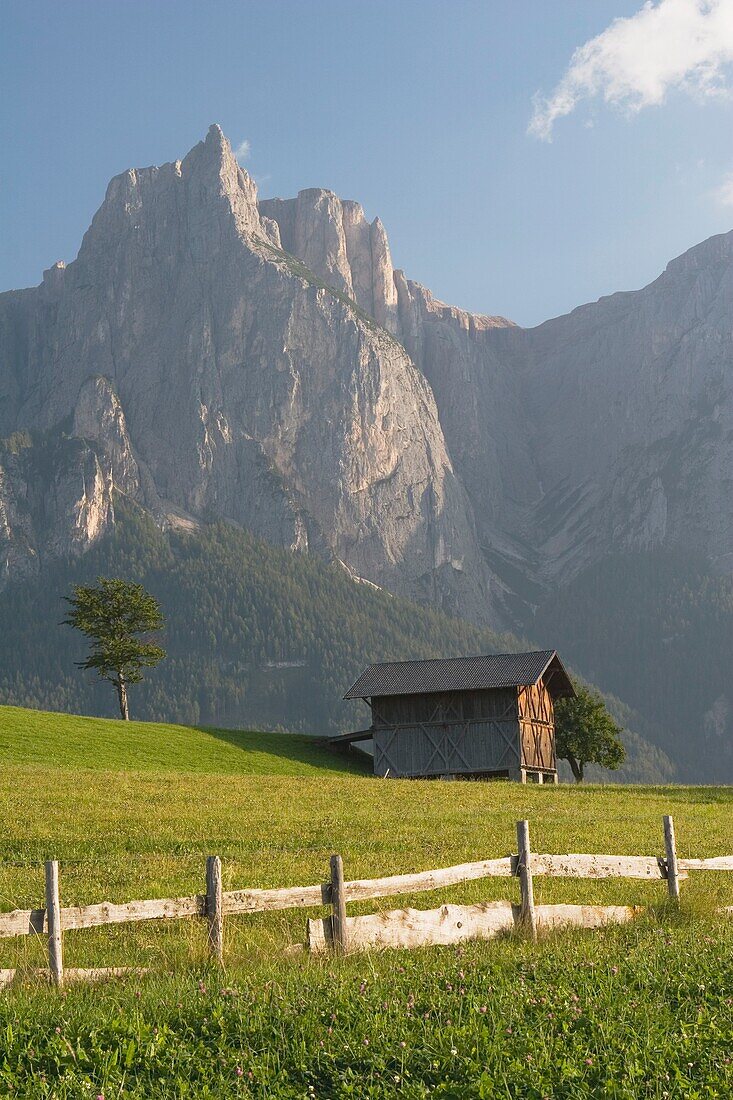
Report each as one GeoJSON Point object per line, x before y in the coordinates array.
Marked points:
{"type": "Point", "coordinates": [214, 158]}
{"type": "Point", "coordinates": [204, 370]}
{"type": "Point", "coordinates": [334, 239]}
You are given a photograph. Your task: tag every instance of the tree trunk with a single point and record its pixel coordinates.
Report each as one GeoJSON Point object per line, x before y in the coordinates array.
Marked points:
{"type": "Point", "coordinates": [122, 695]}
{"type": "Point", "coordinates": [576, 767]}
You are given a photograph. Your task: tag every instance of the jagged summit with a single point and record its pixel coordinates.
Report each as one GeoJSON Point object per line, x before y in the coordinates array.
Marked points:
{"type": "Point", "coordinates": [248, 390]}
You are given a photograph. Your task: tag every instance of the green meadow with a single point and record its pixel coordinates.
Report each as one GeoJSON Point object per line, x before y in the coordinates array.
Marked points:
{"type": "Point", "coordinates": [132, 811]}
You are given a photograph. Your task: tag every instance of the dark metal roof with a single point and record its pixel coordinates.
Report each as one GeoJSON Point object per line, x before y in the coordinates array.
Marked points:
{"type": "Point", "coordinates": [497, 670]}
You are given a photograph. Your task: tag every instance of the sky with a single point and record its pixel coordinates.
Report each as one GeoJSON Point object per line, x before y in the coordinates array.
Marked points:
{"type": "Point", "coordinates": [524, 156]}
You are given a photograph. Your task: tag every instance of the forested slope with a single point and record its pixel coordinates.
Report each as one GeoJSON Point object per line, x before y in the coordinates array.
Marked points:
{"type": "Point", "coordinates": [657, 629]}
{"type": "Point", "coordinates": [256, 636]}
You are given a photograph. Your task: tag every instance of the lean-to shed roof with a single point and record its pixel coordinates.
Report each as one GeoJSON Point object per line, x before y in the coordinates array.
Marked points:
{"type": "Point", "coordinates": [496, 670]}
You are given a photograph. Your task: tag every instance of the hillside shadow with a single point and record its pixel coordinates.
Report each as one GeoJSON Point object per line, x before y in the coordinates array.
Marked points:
{"type": "Point", "coordinates": [297, 747]}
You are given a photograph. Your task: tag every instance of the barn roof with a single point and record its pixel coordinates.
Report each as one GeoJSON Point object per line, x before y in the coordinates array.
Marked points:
{"type": "Point", "coordinates": [497, 670]}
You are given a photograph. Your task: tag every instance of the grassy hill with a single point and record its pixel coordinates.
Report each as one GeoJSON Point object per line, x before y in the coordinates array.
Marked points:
{"type": "Point", "coordinates": [70, 741]}
{"type": "Point", "coordinates": [132, 811]}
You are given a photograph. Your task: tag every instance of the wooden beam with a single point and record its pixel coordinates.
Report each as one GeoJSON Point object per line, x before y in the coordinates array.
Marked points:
{"type": "Point", "coordinates": [75, 974]}
{"type": "Point", "coordinates": [715, 863]}
{"type": "Point", "coordinates": [670, 847]}
{"type": "Point", "coordinates": [450, 924]}
{"type": "Point", "coordinates": [339, 936]}
{"type": "Point", "coordinates": [23, 922]}
{"type": "Point", "coordinates": [360, 889]}
{"type": "Point", "coordinates": [349, 738]}
{"type": "Point", "coordinates": [418, 927]}
{"type": "Point", "coordinates": [26, 922]}
{"type": "Point", "coordinates": [598, 866]}
{"type": "Point", "coordinates": [288, 897]}
{"type": "Point", "coordinates": [53, 911]}
{"type": "Point", "coordinates": [214, 909]}
{"type": "Point", "coordinates": [91, 916]}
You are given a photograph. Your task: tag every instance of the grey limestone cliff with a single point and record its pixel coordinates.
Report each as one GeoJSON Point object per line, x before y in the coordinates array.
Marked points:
{"type": "Point", "coordinates": [608, 430]}
{"type": "Point", "coordinates": [205, 370]}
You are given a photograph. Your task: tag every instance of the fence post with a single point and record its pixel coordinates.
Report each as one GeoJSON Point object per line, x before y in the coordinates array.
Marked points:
{"type": "Point", "coordinates": [53, 917]}
{"type": "Point", "coordinates": [338, 905]}
{"type": "Point", "coordinates": [524, 870]}
{"type": "Point", "coordinates": [673, 875]}
{"type": "Point", "coordinates": [214, 909]}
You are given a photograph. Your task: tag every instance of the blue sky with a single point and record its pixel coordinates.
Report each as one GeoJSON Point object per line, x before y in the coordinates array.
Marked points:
{"type": "Point", "coordinates": [417, 108]}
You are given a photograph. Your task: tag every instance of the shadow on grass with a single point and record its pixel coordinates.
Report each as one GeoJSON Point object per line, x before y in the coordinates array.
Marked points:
{"type": "Point", "coordinates": [297, 747]}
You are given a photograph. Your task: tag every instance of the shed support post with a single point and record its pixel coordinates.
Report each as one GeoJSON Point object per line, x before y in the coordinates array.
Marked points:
{"type": "Point", "coordinates": [53, 917]}
{"type": "Point", "coordinates": [524, 870]}
{"type": "Point", "coordinates": [540, 778]}
{"type": "Point", "coordinates": [670, 847]}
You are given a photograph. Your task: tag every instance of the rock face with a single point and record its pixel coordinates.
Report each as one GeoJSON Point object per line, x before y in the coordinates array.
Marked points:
{"type": "Point", "coordinates": [632, 398]}
{"type": "Point", "coordinates": [55, 500]}
{"type": "Point", "coordinates": [57, 490]}
{"type": "Point", "coordinates": [188, 361]}
{"type": "Point", "coordinates": [335, 241]}
{"type": "Point", "coordinates": [608, 430]}
{"type": "Point", "coordinates": [209, 355]}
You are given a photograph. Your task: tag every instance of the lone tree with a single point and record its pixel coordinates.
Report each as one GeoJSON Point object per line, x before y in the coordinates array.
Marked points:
{"type": "Point", "coordinates": [115, 615]}
{"type": "Point", "coordinates": [585, 733]}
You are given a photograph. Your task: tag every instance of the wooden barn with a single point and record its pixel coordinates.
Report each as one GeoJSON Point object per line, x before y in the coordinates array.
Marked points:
{"type": "Point", "coordinates": [476, 717]}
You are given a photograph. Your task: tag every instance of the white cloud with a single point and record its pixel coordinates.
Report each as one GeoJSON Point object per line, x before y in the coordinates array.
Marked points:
{"type": "Point", "coordinates": [724, 193]}
{"type": "Point", "coordinates": [636, 61]}
{"type": "Point", "coordinates": [242, 151]}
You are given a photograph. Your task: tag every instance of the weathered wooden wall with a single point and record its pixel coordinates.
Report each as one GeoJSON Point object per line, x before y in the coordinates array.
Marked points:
{"type": "Point", "coordinates": [394, 710]}
{"type": "Point", "coordinates": [446, 733]}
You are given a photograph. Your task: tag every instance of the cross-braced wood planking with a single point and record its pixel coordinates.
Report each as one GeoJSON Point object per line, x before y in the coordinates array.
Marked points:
{"type": "Point", "coordinates": [537, 726]}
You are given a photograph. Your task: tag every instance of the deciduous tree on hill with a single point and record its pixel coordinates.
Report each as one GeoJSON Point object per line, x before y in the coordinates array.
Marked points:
{"type": "Point", "coordinates": [116, 615]}
{"type": "Point", "coordinates": [585, 733]}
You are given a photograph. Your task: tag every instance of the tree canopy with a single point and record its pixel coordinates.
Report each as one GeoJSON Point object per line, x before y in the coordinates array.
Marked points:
{"type": "Point", "coordinates": [585, 733]}
{"type": "Point", "coordinates": [116, 615]}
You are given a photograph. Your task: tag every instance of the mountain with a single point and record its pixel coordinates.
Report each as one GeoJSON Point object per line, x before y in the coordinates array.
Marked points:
{"type": "Point", "coordinates": [189, 362]}
{"type": "Point", "coordinates": [210, 356]}
{"type": "Point", "coordinates": [607, 430]}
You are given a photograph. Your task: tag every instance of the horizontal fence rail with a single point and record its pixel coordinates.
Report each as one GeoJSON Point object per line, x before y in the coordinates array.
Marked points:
{"type": "Point", "coordinates": [399, 928]}
{"type": "Point", "coordinates": [451, 924]}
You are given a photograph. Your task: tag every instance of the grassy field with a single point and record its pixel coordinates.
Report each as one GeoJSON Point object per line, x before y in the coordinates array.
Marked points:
{"type": "Point", "coordinates": [133, 812]}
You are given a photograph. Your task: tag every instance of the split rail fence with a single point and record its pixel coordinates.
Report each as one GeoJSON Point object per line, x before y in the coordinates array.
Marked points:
{"type": "Point", "coordinates": [340, 933]}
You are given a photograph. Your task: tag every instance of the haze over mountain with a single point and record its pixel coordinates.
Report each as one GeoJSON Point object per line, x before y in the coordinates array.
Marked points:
{"type": "Point", "coordinates": [211, 356]}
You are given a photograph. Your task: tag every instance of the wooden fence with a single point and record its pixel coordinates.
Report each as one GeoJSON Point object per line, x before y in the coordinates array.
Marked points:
{"type": "Point", "coordinates": [400, 928]}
